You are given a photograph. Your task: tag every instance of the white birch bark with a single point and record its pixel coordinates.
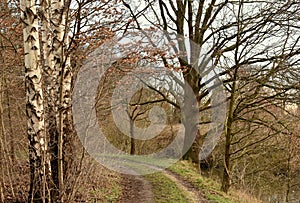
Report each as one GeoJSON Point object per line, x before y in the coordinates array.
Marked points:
{"type": "Point", "coordinates": [48, 65]}
{"type": "Point", "coordinates": [58, 59]}
{"type": "Point", "coordinates": [58, 76]}
{"type": "Point", "coordinates": [49, 84]}
{"type": "Point", "coordinates": [34, 102]}
{"type": "Point", "coordinates": [62, 76]}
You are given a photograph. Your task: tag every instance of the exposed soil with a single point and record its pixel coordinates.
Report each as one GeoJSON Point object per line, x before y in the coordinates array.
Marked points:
{"type": "Point", "coordinates": [137, 189]}
{"type": "Point", "coordinates": [192, 193]}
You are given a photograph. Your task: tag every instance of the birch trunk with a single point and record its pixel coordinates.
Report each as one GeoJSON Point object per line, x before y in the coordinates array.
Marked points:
{"type": "Point", "coordinates": [50, 98]}
{"type": "Point", "coordinates": [34, 104]}
{"type": "Point", "coordinates": [62, 76]}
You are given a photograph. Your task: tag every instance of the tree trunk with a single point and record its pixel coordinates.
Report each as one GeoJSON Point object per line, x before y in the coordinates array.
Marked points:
{"type": "Point", "coordinates": [191, 95]}
{"type": "Point", "coordinates": [34, 105]}
{"type": "Point", "coordinates": [132, 141]}
{"type": "Point", "coordinates": [50, 77]}
{"type": "Point", "coordinates": [62, 76]}
{"type": "Point", "coordinates": [226, 173]}
{"type": "Point", "coordinates": [228, 136]}
{"type": "Point", "coordinates": [191, 115]}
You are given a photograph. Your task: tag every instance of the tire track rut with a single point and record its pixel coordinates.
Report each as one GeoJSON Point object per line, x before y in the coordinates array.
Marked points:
{"type": "Point", "coordinates": [144, 188]}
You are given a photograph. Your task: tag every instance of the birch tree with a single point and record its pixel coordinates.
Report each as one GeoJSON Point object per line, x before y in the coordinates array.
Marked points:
{"type": "Point", "coordinates": [38, 153]}
{"type": "Point", "coordinates": [61, 75]}
{"type": "Point", "coordinates": [58, 86]}
{"type": "Point", "coordinates": [49, 88]}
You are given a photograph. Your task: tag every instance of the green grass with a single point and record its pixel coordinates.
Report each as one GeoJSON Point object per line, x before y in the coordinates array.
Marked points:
{"type": "Point", "coordinates": [210, 188]}
{"type": "Point", "coordinates": [165, 190]}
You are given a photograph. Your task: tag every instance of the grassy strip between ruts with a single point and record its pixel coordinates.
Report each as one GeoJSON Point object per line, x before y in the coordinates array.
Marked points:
{"type": "Point", "coordinates": [209, 187]}
{"type": "Point", "coordinates": [165, 190]}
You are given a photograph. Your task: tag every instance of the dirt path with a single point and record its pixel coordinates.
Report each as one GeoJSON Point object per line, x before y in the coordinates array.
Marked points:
{"type": "Point", "coordinates": [192, 193]}
{"type": "Point", "coordinates": [138, 190]}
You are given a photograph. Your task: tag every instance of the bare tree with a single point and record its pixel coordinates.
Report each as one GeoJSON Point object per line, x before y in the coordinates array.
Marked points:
{"type": "Point", "coordinates": [234, 34]}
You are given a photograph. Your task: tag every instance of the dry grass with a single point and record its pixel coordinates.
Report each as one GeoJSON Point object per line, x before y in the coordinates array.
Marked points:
{"type": "Point", "coordinates": [243, 197]}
